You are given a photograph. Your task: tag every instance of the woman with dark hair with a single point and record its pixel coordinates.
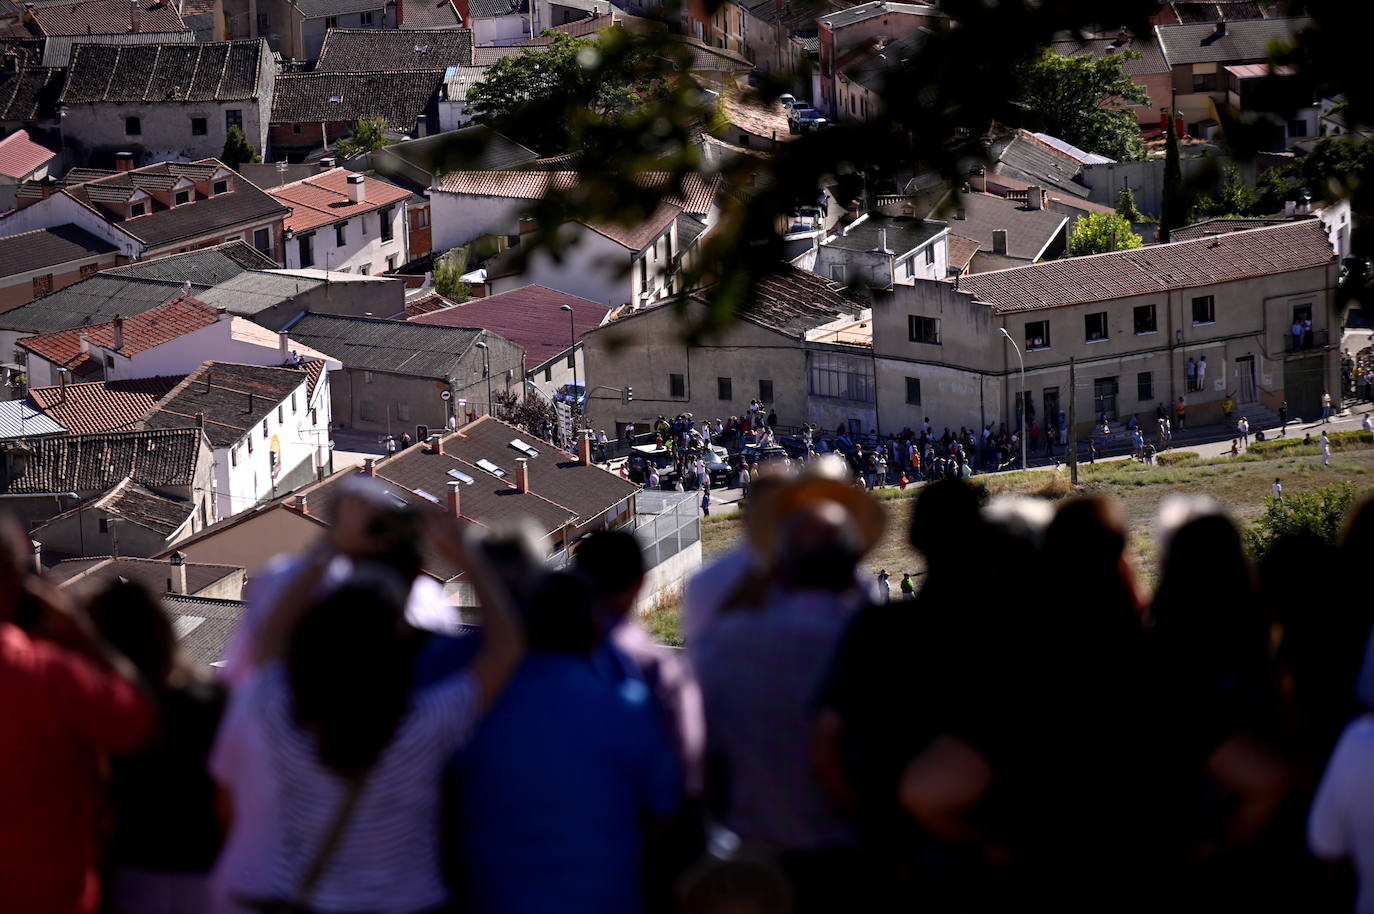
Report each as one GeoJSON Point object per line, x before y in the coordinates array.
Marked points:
{"type": "Point", "coordinates": [1210, 646]}
{"type": "Point", "coordinates": [162, 799]}
{"type": "Point", "coordinates": [332, 761]}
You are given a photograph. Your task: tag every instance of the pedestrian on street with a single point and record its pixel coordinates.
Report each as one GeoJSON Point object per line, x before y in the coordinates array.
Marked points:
{"type": "Point", "coordinates": [1326, 449]}
{"type": "Point", "coordinates": [1181, 411]}
{"type": "Point", "coordinates": [1278, 490]}
{"type": "Point", "coordinates": [1227, 404]}
{"type": "Point", "coordinates": [1326, 406]}
{"type": "Point", "coordinates": [1283, 419]}
{"type": "Point", "coordinates": [908, 587]}
{"type": "Point", "coordinates": [705, 501]}
{"type": "Point", "coordinates": [884, 592]}
{"type": "Point", "coordinates": [1243, 426]}
{"type": "Point", "coordinates": [390, 445]}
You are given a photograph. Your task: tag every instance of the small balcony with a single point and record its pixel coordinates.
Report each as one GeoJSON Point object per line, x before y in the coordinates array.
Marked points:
{"type": "Point", "coordinates": [1313, 339]}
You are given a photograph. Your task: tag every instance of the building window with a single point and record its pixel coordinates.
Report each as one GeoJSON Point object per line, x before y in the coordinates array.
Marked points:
{"type": "Point", "coordinates": [677, 386]}
{"type": "Point", "coordinates": [422, 218]}
{"type": "Point", "coordinates": [366, 18]}
{"type": "Point", "coordinates": [199, 127]}
{"type": "Point", "coordinates": [1145, 319]}
{"type": "Point", "coordinates": [1204, 310]}
{"type": "Point", "coordinates": [1144, 387]}
{"type": "Point", "coordinates": [365, 269]}
{"type": "Point", "coordinates": [1095, 326]}
{"type": "Point", "coordinates": [331, 22]}
{"type": "Point", "coordinates": [249, 440]}
{"type": "Point", "coordinates": [367, 377]}
{"type": "Point", "coordinates": [367, 410]}
{"type": "Point", "coordinates": [281, 415]}
{"type": "Point", "coordinates": [104, 525]}
{"type": "Point", "coordinates": [837, 272]}
{"type": "Point", "coordinates": [1204, 82]}
{"type": "Point", "coordinates": [923, 329]}
{"type": "Point", "coordinates": [1037, 335]}
{"type": "Point", "coordinates": [340, 235]}
{"type": "Point", "coordinates": [220, 187]}
{"type": "Point", "coordinates": [572, 360]}
{"type": "Point", "coordinates": [293, 403]}
{"type": "Point", "coordinates": [841, 377]}
{"type": "Point", "coordinates": [234, 456]}
{"type": "Point", "coordinates": [133, 126]}
{"type": "Point", "coordinates": [89, 269]}
{"type": "Point", "coordinates": [1104, 397]}
{"type": "Point", "coordinates": [233, 118]}
{"type": "Point", "coordinates": [305, 245]}
{"type": "Point", "coordinates": [548, 374]}
{"type": "Point", "coordinates": [262, 240]}
{"type": "Point", "coordinates": [391, 264]}
{"type": "Point", "coordinates": [42, 285]}
{"type": "Point", "coordinates": [388, 228]}
{"type": "Point", "coordinates": [724, 389]}
{"type": "Point", "coordinates": [402, 411]}
{"type": "Point", "coordinates": [182, 198]}
{"type": "Point", "coordinates": [264, 24]}
{"type": "Point", "coordinates": [766, 391]}
{"type": "Point", "coordinates": [913, 391]}
{"type": "Point", "coordinates": [296, 129]}
{"type": "Point", "coordinates": [930, 254]}
{"type": "Point", "coordinates": [138, 209]}
{"type": "Point", "coordinates": [264, 428]}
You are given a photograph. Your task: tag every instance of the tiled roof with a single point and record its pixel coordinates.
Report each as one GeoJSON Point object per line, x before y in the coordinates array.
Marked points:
{"type": "Point", "coordinates": [49, 247]}
{"type": "Point", "coordinates": [18, 419]}
{"type": "Point", "coordinates": [903, 234]}
{"type": "Point", "coordinates": [874, 69]}
{"type": "Point", "coordinates": [1244, 40]}
{"type": "Point", "coordinates": [961, 250]}
{"type": "Point", "coordinates": [136, 505]}
{"type": "Point", "coordinates": [641, 234]}
{"type": "Point", "coordinates": [151, 573]}
{"type": "Point", "coordinates": [487, 55]}
{"type": "Point", "coordinates": [1105, 43]}
{"type": "Point", "coordinates": [101, 406]}
{"type": "Point", "coordinates": [154, 327]}
{"type": "Point", "coordinates": [792, 301]}
{"type": "Point", "coordinates": [1155, 269]}
{"type": "Point", "coordinates": [398, 96]}
{"type": "Point", "coordinates": [30, 94]}
{"type": "Point", "coordinates": [381, 345]}
{"type": "Point", "coordinates": [96, 463]}
{"type": "Point", "coordinates": [866, 11]}
{"type": "Point", "coordinates": [320, 9]}
{"type": "Point", "coordinates": [1211, 10]}
{"type": "Point", "coordinates": [206, 266]}
{"type": "Point", "coordinates": [204, 626]}
{"type": "Point", "coordinates": [555, 475]}
{"type": "Point", "coordinates": [1220, 226]}
{"type": "Point", "coordinates": [695, 195]}
{"type": "Point", "coordinates": [105, 17]}
{"type": "Point", "coordinates": [323, 198]}
{"type": "Point", "coordinates": [767, 121]}
{"type": "Point", "coordinates": [314, 370]}
{"type": "Point", "coordinates": [705, 57]}
{"type": "Point", "coordinates": [476, 146]}
{"type": "Point", "coordinates": [231, 398]}
{"type": "Point", "coordinates": [531, 316]}
{"type": "Point", "coordinates": [20, 155]}
{"type": "Point", "coordinates": [495, 9]}
{"type": "Point", "coordinates": [430, 14]}
{"type": "Point", "coordinates": [351, 50]}
{"type": "Point", "coordinates": [1029, 231]}
{"type": "Point", "coordinates": [426, 304]}
{"type": "Point", "coordinates": [221, 71]}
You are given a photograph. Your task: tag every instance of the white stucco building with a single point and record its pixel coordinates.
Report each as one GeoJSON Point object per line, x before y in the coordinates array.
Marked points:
{"type": "Point", "coordinates": [344, 222]}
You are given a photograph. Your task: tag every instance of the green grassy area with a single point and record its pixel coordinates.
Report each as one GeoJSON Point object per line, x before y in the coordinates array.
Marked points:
{"type": "Point", "coordinates": [1240, 483]}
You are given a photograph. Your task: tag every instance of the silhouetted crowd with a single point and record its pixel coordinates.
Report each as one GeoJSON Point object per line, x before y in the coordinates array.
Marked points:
{"type": "Point", "coordinates": [1031, 731]}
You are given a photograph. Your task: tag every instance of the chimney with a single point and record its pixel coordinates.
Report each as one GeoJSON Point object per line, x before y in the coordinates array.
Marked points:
{"type": "Point", "coordinates": [300, 503]}
{"type": "Point", "coordinates": [882, 242]}
{"type": "Point", "coordinates": [421, 126]}
{"type": "Point", "coordinates": [1112, 243]}
{"type": "Point", "coordinates": [357, 191]}
{"type": "Point", "coordinates": [133, 15]}
{"type": "Point", "coordinates": [85, 343]}
{"type": "Point", "coordinates": [177, 582]}
{"type": "Point", "coordinates": [327, 163]}
{"type": "Point", "coordinates": [522, 475]}
{"type": "Point", "coordinates": [1290, 208]}
{"type": "Point", "coordinates": [584, 448]}
{"type": "Point", "coordinates": [284, 347]}
{"type": "Point", "coordinates": [455, 502]}
{"type": "Point", "coordinates": [118, 332]}
{"type": "Point", "coordinates": [209, 381]}
{"type": "Point", "coordinates": [436, 444]}
{"type": "Point", "coordinates": [1035, 198]}
{"type": "Point", "coordinates": [200, 421]}
{"type": "Point", "coordinates": [124, 161]}
{"type": "Point", "coordinates": [369, 466]}
{"type": "Point", "coordinates": [999, 241]}
{"type": "Point", "coordinates": [62, 380]}
{"type": "Point", "coordinates": [37, 556]}
{"type": "Point", "coordinates": [250, 403]}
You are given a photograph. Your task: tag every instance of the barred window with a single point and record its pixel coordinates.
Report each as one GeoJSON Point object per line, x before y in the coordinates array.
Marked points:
{"type": "Point", "coordinates": [840, 376]}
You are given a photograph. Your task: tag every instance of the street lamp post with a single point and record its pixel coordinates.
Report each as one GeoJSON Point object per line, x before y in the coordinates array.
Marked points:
{"type": "Point", "coordinates": [486, 369]}
{"type": "Point", "coordinates": [572, 341]}
{"type": "Point", "coordinates": [1023, 394]}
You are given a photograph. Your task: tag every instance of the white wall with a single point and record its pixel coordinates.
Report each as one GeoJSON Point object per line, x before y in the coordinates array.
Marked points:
{"type": "Point", "coordinates": [60, 209]}
{"type": "Point", "coordinates": [187, 353]}
{"type": "Point", "coordinates": [592, 268]}
{"type": "Point", "coordinates": [457, 219]}
{"type": "Point", "coordinates": [363, 246]}
{"type": "Point", "coordinates": [505, 30]}
{"type": "Point", "coordinates": [243, 479]}
{"type": "Point", "coordinates": [559, 374]}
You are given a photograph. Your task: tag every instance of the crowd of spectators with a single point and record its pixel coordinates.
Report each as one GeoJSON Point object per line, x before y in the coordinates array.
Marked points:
{"type": "Point", "coordinates": [989, 742]}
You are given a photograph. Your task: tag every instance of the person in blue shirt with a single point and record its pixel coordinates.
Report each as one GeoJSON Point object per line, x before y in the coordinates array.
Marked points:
{"type": "Point", "coordinates": [563, 780]}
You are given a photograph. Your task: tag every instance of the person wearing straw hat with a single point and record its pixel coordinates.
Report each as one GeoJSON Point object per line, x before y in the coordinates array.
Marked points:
{"type": "Point", "coordinates": [884, 593]}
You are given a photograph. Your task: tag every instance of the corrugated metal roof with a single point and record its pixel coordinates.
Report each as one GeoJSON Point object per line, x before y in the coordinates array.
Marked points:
{"type": "Point", "coordinates": [18, 419]}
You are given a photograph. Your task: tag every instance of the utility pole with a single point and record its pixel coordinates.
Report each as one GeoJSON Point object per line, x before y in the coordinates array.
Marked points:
{"type": "Point", "coordinates": [1073, 426]}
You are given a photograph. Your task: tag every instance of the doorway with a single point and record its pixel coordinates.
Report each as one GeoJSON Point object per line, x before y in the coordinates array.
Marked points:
{"type": "Point", "coordinates": [1245, 379]}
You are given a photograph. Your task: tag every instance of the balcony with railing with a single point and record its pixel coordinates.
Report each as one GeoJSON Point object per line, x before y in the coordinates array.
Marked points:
{"type": "Point", "coordinates": [1305, 342]}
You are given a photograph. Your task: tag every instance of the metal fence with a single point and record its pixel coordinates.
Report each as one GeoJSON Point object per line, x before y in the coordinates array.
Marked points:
{"type": "Point", "coordinates": [665, 524]}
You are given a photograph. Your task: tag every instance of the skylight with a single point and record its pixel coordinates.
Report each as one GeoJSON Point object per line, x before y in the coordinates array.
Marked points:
{"type": "Point", "coordinates": [425, 495]}
{"type": "Point", "coordinates": [336, 99]}
{"type": "Point", "coordinates": [462, 477]}
{"type": "Point", "coordinates": [492, 468]}
{"type": "Point", "coordinates": [523, 448]}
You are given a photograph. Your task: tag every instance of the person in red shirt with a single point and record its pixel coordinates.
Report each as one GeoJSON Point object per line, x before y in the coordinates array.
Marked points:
{"type": "Point", "coordinates": [63, 707]}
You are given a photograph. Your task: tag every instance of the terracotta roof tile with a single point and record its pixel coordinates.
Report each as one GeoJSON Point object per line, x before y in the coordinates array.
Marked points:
{"type": "Point", "coordinates": [96, 463]}
{"type": "Point", "coordinates": [140, 506]}
{"type": "Point", "coordinates": [218, 71]}
{"type": "Point", "coordinates": [162, 324]}
{"type": "Point", "coordinates": [20, 155]}
{"type": "Point", "coordinates": [694, 196]}
{"type": "Point", "coordinates": [100, 406]}
{"type": "Point", "coordinates": [531, 316]}
{"type": "Point", "coordinates": [351, 50]}
{"type": "Point", "coordinates": [231, 398]}
{"type": "Point", "coordinates": [323, 198]}
{"type": "Point", "coordinates": [486, 56]}
{"type": "Point", "coordinates": [105, 17]}
{"type": "Point", "coordinates": [399, 96]}
{"type": "Point", "coordinates": [793, 301]}
{"type": "Point", "coordinates": [1154, 269]}
{"type": "Point", "coordinates": [961, 250]}
{"type": "Point", "coordinates": [428, 303]}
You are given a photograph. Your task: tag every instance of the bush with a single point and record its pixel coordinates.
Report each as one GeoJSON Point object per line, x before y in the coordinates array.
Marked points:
{"type": "Point", "coordinates": [448, 271]}
{"type": "Point", "coordinates": [1177, 458]}
{"type": "Point", "coordinates": [1340, 441]}
{"type": "Point", "coordinates": [1319, 512]}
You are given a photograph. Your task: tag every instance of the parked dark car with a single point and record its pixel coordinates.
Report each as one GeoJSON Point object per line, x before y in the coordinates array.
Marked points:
{"type": "Point", "coordinates": [794, 445]}
{"type": "Point", "coordinates": [755, 454]}
{"type": "Point", "coordinates": [643, 456]}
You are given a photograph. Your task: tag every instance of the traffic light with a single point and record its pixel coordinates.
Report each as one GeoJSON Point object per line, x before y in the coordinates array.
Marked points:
{"type": "Point", "coordinates": [629, 394]}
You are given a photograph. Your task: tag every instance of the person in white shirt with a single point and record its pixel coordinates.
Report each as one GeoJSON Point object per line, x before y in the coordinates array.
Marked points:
{"type": "Point", "coordinates": [1340, 826]}
{"type": "Point", "coordinates": [1326, 449]}
{"type": "Point", "coordinates": [653, 478]}
{"type": "Point", "coordinates": [1368, 426]}
{"type": "Point", "coordinates": [1326, 406]}
{"type": "Point", "coordinates": [1243, 426]}
{"type": "Point", "coordinates": [1278, 489]}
